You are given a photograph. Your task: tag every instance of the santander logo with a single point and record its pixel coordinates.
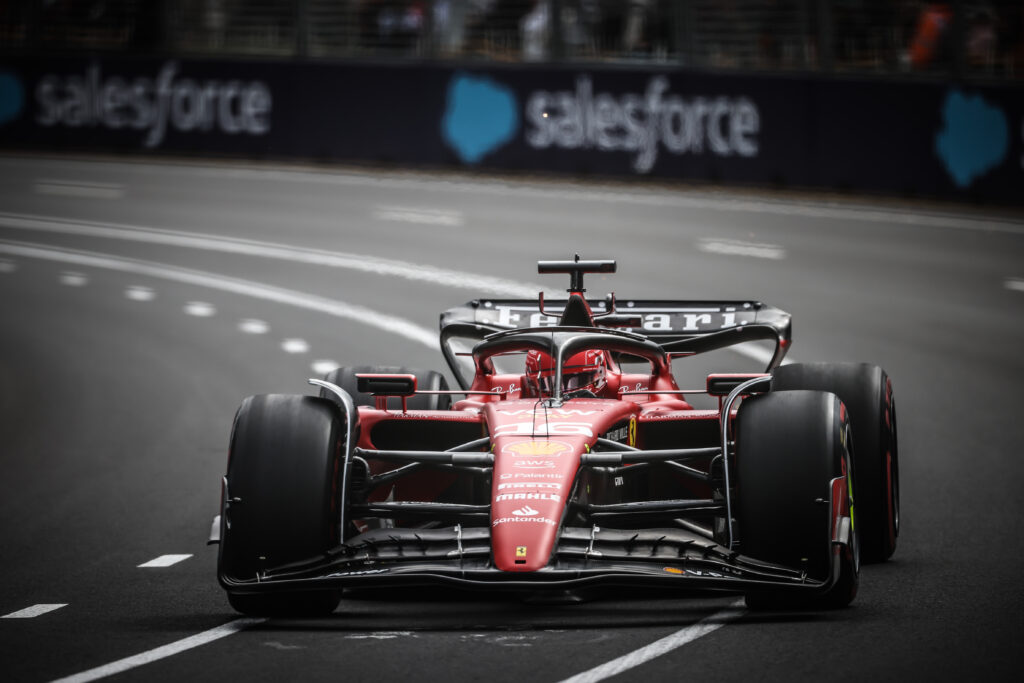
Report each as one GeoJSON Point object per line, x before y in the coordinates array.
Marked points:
{"type": "Point", "coordinates": [525, 511]}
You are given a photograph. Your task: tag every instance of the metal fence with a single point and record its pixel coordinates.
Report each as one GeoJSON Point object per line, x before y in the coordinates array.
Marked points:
{"type": "Point", "coordinates": [963, 39]}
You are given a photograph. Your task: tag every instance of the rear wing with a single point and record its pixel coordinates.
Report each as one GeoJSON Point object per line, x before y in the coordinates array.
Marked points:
{"type": "Point", "coordinates": [680, 327]}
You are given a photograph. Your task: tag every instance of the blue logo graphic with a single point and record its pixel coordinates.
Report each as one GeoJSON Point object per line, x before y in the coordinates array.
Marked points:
{"type": "Point", "coordinates": [481, 116]}
{"type": "Point", "coordinates": [975, 137]}
{"type": "Point", "coordinates": [12, 97]}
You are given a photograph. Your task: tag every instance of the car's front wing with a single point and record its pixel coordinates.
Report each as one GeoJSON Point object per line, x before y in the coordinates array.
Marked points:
{"type": "Point", "coordinates": [584, 557]}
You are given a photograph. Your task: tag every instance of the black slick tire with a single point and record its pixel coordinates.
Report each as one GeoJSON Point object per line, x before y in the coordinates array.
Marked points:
{"type": "Point", "coordinates": [790, 446]}
{"type": "Point", "coordinates": [867, 392]}
{"type": "Point", "coordinates": [283, 481]}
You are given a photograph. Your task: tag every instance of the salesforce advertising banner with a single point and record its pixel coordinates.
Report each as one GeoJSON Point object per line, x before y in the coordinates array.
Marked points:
{"type": "Point", "coordinates": [144, 105]}
{"type": "Point", "coordinates": [907, 138]}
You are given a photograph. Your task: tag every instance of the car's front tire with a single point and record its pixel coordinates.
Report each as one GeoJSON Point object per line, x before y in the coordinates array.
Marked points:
{"type": "Point", "coordinates": [283, 483]}
{"type": "Point", "coordinates": [867, 392]}
{"type": "Point", "coordinates": [790, 446]}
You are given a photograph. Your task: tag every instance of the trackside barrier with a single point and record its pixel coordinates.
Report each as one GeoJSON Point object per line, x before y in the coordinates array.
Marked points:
{"type": "Point", "coordinates": [909, 138]}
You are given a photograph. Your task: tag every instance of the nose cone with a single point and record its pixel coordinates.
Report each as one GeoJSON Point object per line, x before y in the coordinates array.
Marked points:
{"type": "Point", "coordinates": [533, 478]}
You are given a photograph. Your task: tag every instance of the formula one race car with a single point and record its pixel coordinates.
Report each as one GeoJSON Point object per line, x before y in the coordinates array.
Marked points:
{"type": "Point", "coordinates": [568, 458]}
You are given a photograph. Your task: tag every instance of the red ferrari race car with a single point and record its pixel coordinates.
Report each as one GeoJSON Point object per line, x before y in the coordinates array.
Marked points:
{"type": "Point", "coordinates": [568, 457]}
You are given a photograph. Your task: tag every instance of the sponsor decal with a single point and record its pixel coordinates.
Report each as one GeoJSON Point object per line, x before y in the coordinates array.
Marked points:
{"type": "Point", "coordinates": [525, 511]}
{"type": "Point", "coordinates": [557, 412]}
{"type": "Point", "coordinates": [481, 115]}
{"type": "Point", "coordinates": [642, 124]}
{"type": "Point", "coordinates": [516, 520]}
{"type": "Point", "coordinates": [975, 137]}
{"type": "Point", "coordinates": [155, 105]}
{"type": "Point", "coordinates": [544, 428]}
{"type": "Point", "coordinates": [534, 465]}
{"type": "Point", "coordinates": [676, 320]}
{"type": "Point", "coordinates": [528, 485]}
{"type": "Point", "coordinates": [12, 97]}
{"type": "Point", "coordinates": [531, 475]}
{"type": "Point", "coordinates": [521, 551]}
{"type": "Point", "coordinates": [674, 570]}
{"type": "Point", "coordinates": [356, 573]}
{"type": "Point", "coordinates": [534, 448]}
{"type": "Point", "coordinates": [620, 434]}
{"type": "Point", "coordinates": [631, 440]}
{"type": "Point", "coordinates": [529, 496]}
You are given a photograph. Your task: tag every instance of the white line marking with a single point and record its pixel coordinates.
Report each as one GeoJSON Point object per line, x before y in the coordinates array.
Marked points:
{"type": "Point", "coordinates": [380, 635]}
{"type": "Point", "coordinates": [357, 262]}
{"type": "Point", "coordinates": [200, 309]}
{"type": "Point", "coordinates": [149, 656]}
{"type": "Point", "coordinates": [295, 346]}
{"type": "Point", "coordinates": [1015, 284]}
{"type": "Point", "coordinates": [322, 367]}
{"type": "Point", "coordinates": [34, 610]}
{"type": "Point", "coordinates": [139, 293]}
{"type": "Point", "coordinates": [740, 248]}
{"type": "Point", "coordinates": [165, 560]}
{"type": "Point", "coordinates": [79, 188]}
{"type": "Point", "coordinates": [340, 309]}
{"type": "Point", "coordinates": [411, 215]}
{"type": "Point", "coordinates": [73, 279]}
{"type": "Point", "coordinates": [253, 326]}
{"type": "Point", "coordinates": [660, 647]}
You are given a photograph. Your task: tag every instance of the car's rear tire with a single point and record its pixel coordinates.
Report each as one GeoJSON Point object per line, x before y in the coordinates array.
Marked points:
{"type": "Point", "coordinates": [431, 380]}
{"type": "Point", "coordinates": [283, 480]}
{"type": "Point", "coordinates": [867, 392]}
{"type": "Point", "coordinates": [790, 446]}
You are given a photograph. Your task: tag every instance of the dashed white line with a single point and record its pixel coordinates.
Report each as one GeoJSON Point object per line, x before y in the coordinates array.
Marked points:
{"type": "Point", "coordinates": [412, 215]}
{"type": "Point", "coordinates": [200, 309]}
{"type": "Point", "coordinates": [80, 188]}
{"type": "Point", "coordinates": [1015, 284]}
{"type": "Point", "coordinates": [73, 279]}
{"type": "Point", "coordinates": [34, 610]}
{"type": "Point", "coordinates": [740, 248]}
{"type": "Point", "coordinates": [295, 346]}
{"type": "Point", "coordinates": [340, 309]}
{"type": "Point", "coordinates": [139, 293]}
{"type": "Point", "coordinates": [166, 560]}
{"type": "Point", "coordinates": [380, 635]}
{"type": "Point", "coordinates": [253, 326]}
{"type": "Point", "coordinates": [322, 367]}
{"type": "Point", "coordinates": [163, 652]}
{"type": "Point", "coordinates": [659, 647]}
{"type": "Point", "coordinates": [359, 262]}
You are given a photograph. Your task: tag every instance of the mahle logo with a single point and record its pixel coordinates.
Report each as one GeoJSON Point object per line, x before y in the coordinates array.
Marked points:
{"type": "Point", "coordinates": [12, 97]}
{"type": "Point", "coordinates": [481, 115]}
{"type": "Point", "coordinates": [975, 137]}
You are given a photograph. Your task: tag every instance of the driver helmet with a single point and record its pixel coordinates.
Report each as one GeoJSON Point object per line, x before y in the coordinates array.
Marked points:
{"type": "Point", "coordinates": [584, 371]}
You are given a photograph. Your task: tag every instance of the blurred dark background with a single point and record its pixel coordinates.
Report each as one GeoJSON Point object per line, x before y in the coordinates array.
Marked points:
{"type": "Point", "coordinates": [908, 38]}
{"type": "Point", "coordinates": [899, 98]}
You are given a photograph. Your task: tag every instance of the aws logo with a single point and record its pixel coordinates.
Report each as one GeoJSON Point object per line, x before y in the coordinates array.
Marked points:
{"type": "Point", "coordinates": [481, 115]}
{"type": "Point", "coordinates": [975, 137]}
{"type": "Point", "coordinates": [12, 97]}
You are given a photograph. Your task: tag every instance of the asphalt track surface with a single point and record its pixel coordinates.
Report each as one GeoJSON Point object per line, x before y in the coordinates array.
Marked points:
{"type": "Point", "coordinates": [124, 353]}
